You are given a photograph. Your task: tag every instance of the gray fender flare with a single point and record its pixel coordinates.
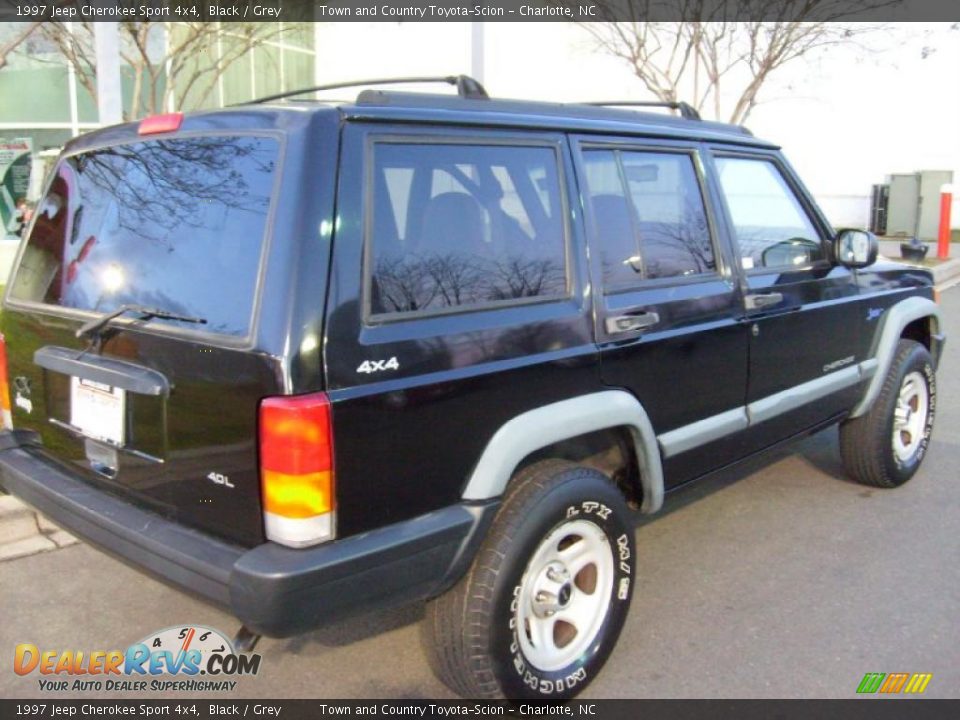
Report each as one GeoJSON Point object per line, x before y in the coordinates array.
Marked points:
{"type": "Point", "coordinates": [543, 426]}
{"type": "Point", "coordinates": [895, 319]}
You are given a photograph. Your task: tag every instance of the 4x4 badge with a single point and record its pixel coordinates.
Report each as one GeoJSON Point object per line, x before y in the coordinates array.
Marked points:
{"type": "Point", "coordinates": [372, 366]}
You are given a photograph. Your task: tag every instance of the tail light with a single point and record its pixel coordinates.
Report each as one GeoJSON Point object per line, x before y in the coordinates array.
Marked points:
{"type": "Point", "coordinates": [6, 421]}
{"type": "Point", "coordinates": [296, 469]}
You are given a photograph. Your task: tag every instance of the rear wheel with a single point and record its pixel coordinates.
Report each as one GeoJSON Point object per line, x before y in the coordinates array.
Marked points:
{"type": "Point", "coordinates": [884, 447]}
{"type": "Point", "coordinates": [540, 610]}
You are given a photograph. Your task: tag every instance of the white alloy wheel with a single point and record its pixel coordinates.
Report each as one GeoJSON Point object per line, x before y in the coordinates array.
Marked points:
{"type": "Point", "coordinates": [910, 416]}
{"type": "Point", "coordinates": [564, 595]}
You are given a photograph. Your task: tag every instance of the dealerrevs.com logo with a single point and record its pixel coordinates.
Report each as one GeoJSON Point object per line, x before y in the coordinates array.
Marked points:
{"type": "Point", "coordinates": [200, 658]}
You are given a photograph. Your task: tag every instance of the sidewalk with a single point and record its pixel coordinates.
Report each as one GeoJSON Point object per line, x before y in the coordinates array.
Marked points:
{"type": "Point", "coordinates": [25, 532]}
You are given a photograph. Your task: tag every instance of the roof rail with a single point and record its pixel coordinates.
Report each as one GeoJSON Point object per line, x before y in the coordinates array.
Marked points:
{"type": "Point", "coordinates": [687, 111]}
{"type": "Point", "coordinates": [466, 86]}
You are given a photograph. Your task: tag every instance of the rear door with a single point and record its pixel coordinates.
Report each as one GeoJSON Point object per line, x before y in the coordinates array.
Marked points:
{"type": "Point", "coordinates": [668, 307]}
{"type": "Point", "coordinates": [160, 411]}
{"type": "Point", "coordinates": [802, 310]}
{"type": "Point", "coordinates": [456, 303]}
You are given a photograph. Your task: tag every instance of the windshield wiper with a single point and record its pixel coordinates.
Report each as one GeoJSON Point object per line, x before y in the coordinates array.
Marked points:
{"type": "Point", "coordinates": [96, 326]}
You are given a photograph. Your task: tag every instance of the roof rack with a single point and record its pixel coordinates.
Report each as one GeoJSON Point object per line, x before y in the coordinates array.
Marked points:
{"type": "Point", "coordinates": [687, 111]}
{"type": "Point", "coordinates": [466, 86]}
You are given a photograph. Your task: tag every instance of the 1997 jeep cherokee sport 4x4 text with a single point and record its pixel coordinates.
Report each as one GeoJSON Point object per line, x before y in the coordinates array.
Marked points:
{"type": "Point", "coordinates": [307, 359]}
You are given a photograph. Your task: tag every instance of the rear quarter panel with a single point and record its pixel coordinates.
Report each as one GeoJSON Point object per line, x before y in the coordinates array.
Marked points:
{"type": "Point", "coordinates": [407, 440]}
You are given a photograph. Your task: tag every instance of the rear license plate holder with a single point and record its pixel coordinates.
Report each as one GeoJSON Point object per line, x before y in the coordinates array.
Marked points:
{"type": "Point", "coordinates": [98, 410]}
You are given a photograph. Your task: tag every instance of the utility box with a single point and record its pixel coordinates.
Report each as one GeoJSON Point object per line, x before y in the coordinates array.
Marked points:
{"type": "Point", "coordinates": [902, 204]}
{"type": "Point", "coordinates": [913, 203]}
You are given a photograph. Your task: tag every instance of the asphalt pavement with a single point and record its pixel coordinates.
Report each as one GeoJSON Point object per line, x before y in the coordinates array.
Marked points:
{"type": "Point", "coordinates": [779, 579]}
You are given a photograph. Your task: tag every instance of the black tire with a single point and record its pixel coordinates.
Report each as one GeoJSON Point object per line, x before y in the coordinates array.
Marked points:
{"type": "Point", "coordinates": [471, 634]}
{"type": "Point", "coordinates": [867, 442]}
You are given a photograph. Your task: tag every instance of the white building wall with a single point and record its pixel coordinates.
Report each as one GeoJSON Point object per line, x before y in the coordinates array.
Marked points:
{"type": "Point", "coordinates": [846, 210]}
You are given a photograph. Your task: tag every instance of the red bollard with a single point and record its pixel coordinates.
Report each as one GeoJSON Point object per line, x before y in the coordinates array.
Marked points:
{"type": "Point", "coordinates": [943, 239]}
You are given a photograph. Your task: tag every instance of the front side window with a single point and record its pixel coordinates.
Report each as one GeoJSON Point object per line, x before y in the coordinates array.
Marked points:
{"type": "Point", "coordinates": [457, 226]}
{"type": "Point", "coordinates": [648, 215]}
{"type": "Point", "coordinates": [175, 224]}
{"type": "Point", "coordinates": [770, 225]}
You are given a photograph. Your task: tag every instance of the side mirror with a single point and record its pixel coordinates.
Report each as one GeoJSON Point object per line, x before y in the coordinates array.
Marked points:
{"type": "Point", "coordinates": [855, 248]}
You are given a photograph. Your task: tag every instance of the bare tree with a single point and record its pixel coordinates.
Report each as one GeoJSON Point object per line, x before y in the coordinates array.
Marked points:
{"type": "Point", "coordinates": [173, 65]}
{"type": "Point", "coordinates": [710, 56]}
{"type": "Point", "coordinates": [160, 186]}
{"type": "Point", "coordinates": [18, 32]}
{"type": "Point", "coordinates": [440, 280]}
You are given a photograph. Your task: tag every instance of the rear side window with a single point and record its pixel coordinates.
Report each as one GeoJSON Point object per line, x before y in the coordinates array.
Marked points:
{"type": "Point", "coordinates": [771, 227]}
{"type": "Point", "coordinates": [464, 226]}
{"type": "Point", "coordinates": [648, 216]}
{"type": "Point", "coordinates": [173, 224]}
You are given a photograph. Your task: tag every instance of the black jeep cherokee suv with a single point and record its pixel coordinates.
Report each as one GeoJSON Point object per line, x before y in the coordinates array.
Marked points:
{"type": "Point", "coordinates": [307, 359]}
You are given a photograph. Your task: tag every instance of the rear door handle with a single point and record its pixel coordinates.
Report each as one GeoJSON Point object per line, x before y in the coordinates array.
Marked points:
{"type": "Point", "coordinates": [758, 301]}
{"type": "Point", "coordinates": [629, 323]}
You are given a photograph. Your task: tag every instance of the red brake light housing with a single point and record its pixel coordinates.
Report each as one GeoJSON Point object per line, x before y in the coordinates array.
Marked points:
{"type": "Point", "coordinates": [296, 469]}
{"type": "Point", "coordinates": [155, 124]}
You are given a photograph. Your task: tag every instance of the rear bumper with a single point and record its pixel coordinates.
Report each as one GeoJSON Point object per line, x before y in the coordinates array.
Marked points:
{"type": "Point", "coordinates": [271, 589]}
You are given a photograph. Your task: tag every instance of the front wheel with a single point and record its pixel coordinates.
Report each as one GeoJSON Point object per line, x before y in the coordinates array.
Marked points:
{"type": "Point", "coordinates": [541, 608]}
{"type": "Point", "coordinates": [884, 447]}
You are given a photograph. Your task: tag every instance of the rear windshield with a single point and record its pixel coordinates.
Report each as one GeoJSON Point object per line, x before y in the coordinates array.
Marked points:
{"type": "Point", "coordinates": [173, 224]}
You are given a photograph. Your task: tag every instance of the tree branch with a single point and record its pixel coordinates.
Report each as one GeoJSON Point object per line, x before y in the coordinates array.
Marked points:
{"type": "Point", "coordinates": [710, 55]}
{"type": "Point", "coordinates": [14, 42]}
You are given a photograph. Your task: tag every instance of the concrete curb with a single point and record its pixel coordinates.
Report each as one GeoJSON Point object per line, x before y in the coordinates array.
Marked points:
{"type": "Point", "coordinates": [25, 532]}
{"type": "Point", "coordinates": [946, 271]}
{"type": "Point", "coordinates": [17, 522]}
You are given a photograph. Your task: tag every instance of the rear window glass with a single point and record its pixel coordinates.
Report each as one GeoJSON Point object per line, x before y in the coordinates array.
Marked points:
{"type": "Point", "coordinates": [459, 226]}
{"type": "Point", "coordinates": [172, 224]}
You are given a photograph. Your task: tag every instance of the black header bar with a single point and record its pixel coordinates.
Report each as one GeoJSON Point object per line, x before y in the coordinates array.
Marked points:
{"type": "Point", "coordinates": [193, 709]}
{"type": "Point", "coordinates": [476, 10]}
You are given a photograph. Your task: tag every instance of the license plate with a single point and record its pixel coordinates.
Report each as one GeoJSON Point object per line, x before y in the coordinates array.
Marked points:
{"type": "Point", "coordinates": [98, 410]}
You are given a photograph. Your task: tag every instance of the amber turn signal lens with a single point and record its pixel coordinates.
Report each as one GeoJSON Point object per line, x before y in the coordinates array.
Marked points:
{"type": "Point", "coordinates": [297, 496]}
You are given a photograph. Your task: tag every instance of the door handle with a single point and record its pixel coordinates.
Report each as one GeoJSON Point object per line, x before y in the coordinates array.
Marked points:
{"type": "Point", "coordinates": [629, 323]}
{"type": "Point", "coordinates": [758, 301]}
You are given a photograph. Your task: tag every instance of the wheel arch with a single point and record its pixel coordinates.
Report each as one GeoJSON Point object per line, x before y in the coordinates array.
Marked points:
{"type": "Point", "coordinates": [916, 318]}
{"type": "Point", "coordinates": [924, 330]}
{"type": "Point", "coordinates": [532, 431]}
